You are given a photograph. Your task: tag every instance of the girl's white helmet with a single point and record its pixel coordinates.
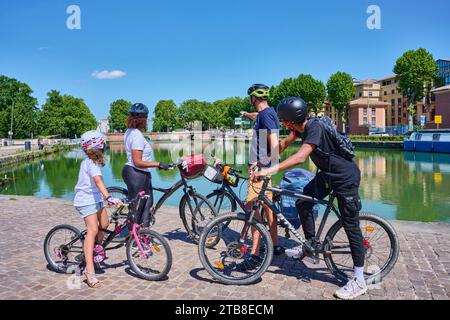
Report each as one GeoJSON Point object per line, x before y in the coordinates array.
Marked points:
{"type": "Point", "coordinates": [93, 140]}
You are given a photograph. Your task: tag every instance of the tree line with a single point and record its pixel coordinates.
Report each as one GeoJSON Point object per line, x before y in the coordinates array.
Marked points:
{"type": "Point", "coordinates": [68, 116]}
{"type": "Point", "coordinates": [221, 114]}
{"type": "Point", "coordinates": [61, 115]}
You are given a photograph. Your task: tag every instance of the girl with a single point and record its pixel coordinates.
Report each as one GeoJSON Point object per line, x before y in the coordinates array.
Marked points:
{"type": "Point", "coordinates": [89, 194]}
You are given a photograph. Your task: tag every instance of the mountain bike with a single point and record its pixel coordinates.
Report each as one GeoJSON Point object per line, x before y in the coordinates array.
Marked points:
{"type": "Point", "coordinates": [234, 235]}
{"type": "Point", "coordinates": [148, 253]}
{"type": "Point", "coordinates": [195, 210]}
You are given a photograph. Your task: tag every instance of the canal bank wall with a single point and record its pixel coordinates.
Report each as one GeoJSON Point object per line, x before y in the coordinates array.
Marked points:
{"type": "Point", "coordinates": [25, 156]}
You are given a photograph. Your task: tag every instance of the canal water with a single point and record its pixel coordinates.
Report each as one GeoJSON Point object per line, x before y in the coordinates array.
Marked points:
{"type": "Point", "coordinates": [395, 184]}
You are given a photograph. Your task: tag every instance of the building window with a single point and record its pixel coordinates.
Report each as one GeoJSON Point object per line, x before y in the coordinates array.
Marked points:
{"type": "Point", "coordinates": [360, 94]}
{"type": "Point", "coordinates": [436, 137]}
{"type": "Point", "coordinates": [365, 121]}
{"type": "Point", "coordinates": [374, 121]}
{"type": "Point", "coordinates": [374, 111]}
{"type": "Point", "coordinates": [399, 101]}
{"type": "Point", "coordinates": [385, 93]}
{"type": "Point", "coordinates": [392, 91]}
{"type": "Point", "coordinates": [370, 93]}
{"type": "Point", "coordinates": [418, 136]}
{"type": "Point", "coordinates": [365, 111]}
{"type": "Point", "coordinates": [392, 102]}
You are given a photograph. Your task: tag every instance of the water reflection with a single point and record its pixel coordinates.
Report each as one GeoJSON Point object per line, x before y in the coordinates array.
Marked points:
{"type": "Point", "coordinates": [395, 184]}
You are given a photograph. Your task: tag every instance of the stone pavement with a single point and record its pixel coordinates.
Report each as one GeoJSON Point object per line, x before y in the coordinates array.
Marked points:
{"type": "Point", "coordinates": [422, 270]}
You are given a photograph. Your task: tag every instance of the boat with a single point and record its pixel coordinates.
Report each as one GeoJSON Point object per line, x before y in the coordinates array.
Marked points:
{"type": "Point", "coordinates": [428, 141]}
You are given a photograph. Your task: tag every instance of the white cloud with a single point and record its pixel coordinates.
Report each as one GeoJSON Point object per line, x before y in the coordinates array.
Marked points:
{"type": "Point", "coordinates": [109, 75]}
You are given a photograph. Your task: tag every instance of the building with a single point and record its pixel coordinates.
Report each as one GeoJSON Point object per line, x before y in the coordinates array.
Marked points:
{"type": "Point", "coordinates": [366, 113]}
{"type": "Point", "coordinates": [367, 89]}
{"type": "Point", "coordinates": [443, 78]}
{"type": "Point", "coordinates": [396, 110]}
{"type": "Point", "coordinates": [103, 126]}
{"type": "Point", "coordinates": [442, 101]}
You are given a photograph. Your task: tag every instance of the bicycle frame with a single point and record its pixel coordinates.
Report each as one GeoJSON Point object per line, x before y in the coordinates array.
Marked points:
{"type": "Point", "coordinates": [167, 193]}
{"type": "Point", "coordinates": [328, 203]}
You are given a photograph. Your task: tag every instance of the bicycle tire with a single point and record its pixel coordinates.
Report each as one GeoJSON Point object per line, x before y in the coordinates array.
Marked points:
{"type": "Point", "coordinates": [51, 263]}
{"type": "Point", "coordinates": [191, 227]}
{"type": "Point", "coordinates": [122, 194]}
{"type": "Point", "coordinates": [168, 251]}
{"type": "Point", "coordinates": [226, 194]}
{"type": "Point", "coordinates": [265, 235]}
{"type": "Point", "coordinates": [393, 256]}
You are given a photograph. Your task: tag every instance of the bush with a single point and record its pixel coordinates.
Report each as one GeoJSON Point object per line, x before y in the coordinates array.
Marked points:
{"type": "Point", "coordinates": [377, 138]}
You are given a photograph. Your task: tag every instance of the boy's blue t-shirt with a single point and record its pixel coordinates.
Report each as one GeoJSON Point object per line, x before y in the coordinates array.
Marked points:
{"type": "Point", "coordinates": [266, 122]}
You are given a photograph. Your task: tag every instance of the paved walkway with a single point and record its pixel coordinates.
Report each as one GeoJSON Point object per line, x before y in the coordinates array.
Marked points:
{"type": "Point", "coordinates": [422, 271]}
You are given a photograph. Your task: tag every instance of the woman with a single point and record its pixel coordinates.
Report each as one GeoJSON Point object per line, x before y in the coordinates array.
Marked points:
{"type": "Point", "coordinates": [136, 172]}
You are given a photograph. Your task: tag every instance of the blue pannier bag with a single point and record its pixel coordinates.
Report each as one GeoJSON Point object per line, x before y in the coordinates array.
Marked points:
{"type": "Point", "coordinates": [295, 180]}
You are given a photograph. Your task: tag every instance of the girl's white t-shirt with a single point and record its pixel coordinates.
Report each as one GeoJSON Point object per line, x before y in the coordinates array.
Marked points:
{"type": "Point", "coordinates": [135, 140]}
{"type": "Point", "coordinates": [86, 191]}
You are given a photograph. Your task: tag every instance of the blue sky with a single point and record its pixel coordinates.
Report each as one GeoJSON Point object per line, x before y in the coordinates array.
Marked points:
{"type": "Point", "coordinates": [206, 49]}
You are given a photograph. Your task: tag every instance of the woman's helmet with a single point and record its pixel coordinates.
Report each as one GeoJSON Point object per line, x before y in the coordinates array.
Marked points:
{"type": "Point", "coordinates": [138, 109]}
{"type": "Point", "coordinates": [259, 90]}
{"type": "Point", "coordinates": [93, 140]}
{"type": "Point", "coordinates": [292, 109]}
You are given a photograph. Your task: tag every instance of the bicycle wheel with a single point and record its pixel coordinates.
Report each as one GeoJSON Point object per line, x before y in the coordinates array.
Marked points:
{"type": "Point", "coordinates": [196, 212]}
{"type": "Point", "coordinates": [222, 201]}
{"type": "Point", "coordinates": [156, 262]}
{"type": "Point", "coordinates": [63, 249]}
{"type": "Point", "coordinates": [227, 261]}
{"type": "Point", "coordinates": [381, 249]}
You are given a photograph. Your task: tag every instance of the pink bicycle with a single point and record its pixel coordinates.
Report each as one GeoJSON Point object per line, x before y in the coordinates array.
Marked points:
{"type": "Point", "coordinates": [148, 253]}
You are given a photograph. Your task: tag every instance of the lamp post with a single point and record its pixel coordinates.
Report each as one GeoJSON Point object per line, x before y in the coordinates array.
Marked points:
{"type": "Point", "coordinates": [10, 133]}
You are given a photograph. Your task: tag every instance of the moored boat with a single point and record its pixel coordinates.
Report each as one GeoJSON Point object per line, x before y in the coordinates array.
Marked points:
{"type": "Point", "coordinates": [429, 141]}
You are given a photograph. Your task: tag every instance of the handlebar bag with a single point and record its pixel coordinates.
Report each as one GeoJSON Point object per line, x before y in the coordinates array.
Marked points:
{"type": "Point", "coordinates": [192, 166]}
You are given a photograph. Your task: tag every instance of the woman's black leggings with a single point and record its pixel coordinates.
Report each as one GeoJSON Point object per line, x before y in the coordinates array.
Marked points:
{"type": "Point", "coordinates": [137, 181]}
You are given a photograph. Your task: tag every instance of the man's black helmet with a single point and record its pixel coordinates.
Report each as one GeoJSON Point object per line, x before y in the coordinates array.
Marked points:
{"type": "Point", "coordinates": [292, 109]}
{"type": "Point", "coordinates": [138, 109]}
{"type": "Point", "coordinates": [259, 90]}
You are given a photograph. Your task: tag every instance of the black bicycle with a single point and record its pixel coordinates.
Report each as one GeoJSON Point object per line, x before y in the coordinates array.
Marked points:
{"type": "Point", "coordinates": [148, 253]}
{"type": "Point", "coordinates": [194, 208]}
{"type": "Point", "coordinates": [237, 232]}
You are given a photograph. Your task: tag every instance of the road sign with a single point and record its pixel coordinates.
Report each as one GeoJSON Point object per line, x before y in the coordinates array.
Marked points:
{"type": "Point", "coordinates": [438, 119]}
{"type": "Point", "coordinates": [423, 120]}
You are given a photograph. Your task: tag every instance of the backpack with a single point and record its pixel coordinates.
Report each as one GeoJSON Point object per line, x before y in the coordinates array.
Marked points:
{"type": "Point", "coordinates": [342, 143]}
{"type": "Point", "coordinates": [295, 180]}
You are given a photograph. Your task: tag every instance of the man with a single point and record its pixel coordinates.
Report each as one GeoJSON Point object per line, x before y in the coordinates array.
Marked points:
{"type": "Point", "coordinates": [336, 173]}
{"type": "Point", "coordinates": [264, 147]}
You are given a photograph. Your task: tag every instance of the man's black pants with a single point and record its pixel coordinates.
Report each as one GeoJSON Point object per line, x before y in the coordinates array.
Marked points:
{"type": "Point", "coordinates": [349, 204]}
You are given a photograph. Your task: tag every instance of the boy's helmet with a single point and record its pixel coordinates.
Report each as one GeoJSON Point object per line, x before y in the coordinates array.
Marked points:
{"type": "Point", "coordinates": [292, 109]}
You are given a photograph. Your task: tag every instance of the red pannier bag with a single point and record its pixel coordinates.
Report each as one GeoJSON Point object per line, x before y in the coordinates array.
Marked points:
{"type": "Point", "coordinates": [192, 166]}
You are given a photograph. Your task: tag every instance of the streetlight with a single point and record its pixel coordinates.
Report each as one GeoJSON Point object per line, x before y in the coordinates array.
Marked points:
{"type": "Point", "coordinates": [10, 133]}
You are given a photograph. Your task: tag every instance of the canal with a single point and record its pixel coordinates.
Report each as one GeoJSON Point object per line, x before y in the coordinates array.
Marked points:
{"type": "Point", "coordinates": [395, 184]}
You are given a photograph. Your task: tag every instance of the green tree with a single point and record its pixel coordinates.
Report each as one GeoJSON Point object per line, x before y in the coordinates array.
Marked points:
{"type": "Point", "coordinates": [65, 115]}
{"type": "Point", "coordinates": [304, 86]}
{"type": "Point", "coordinates": [340, 92]}
{"type": "Point", "coordinates": [118, 113]}
{"type": "Point", "coordinates": [191, 111]}
{"type": "Point", "coordinates": [165, 116]}
{"type": "Point", "coordinates": [16, 95]}
{"type": "Point", "coordinates": [415, 70]}
{"type": "Point", "coordinates": [228, 109]}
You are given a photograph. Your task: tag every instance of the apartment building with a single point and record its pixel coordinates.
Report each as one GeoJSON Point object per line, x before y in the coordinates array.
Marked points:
{"type": "Point", "coordinates": [443, 78]}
